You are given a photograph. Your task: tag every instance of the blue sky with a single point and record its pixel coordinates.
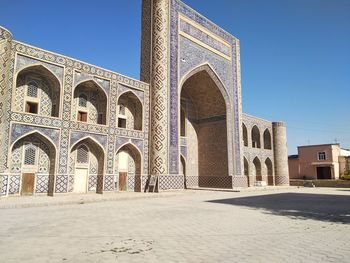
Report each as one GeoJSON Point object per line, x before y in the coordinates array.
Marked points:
{"type": "Point", "coordinates": [295, 54]}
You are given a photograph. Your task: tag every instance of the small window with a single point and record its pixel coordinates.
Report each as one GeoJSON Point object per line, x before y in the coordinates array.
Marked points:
{"type": "Point", "coordinates": [32, 89]}
{"type": "Point", "coordinates": [82, 100]}
{"type": "Point", "coordinates": [83, 154]}
{"type": "Point", "coordinates": [29, 154]}
{"type": "Point", "coordinates": [122, 109]}
{"type": "Point", "coordinates": [121, 123]}
{"type": "Point", "coordinates": [31, 107]}
{"type": "Point", "coordinates": [321, 156]}
{"type": "Point", "coordinates": [82, 116]}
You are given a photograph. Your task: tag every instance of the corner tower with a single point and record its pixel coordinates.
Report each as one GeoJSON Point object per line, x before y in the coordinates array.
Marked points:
{"type": "Point", "coordinates": [280, 153]}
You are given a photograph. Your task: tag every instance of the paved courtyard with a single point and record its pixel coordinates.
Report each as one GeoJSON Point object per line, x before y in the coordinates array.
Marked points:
{"type": "Point", "coordinates": [286, 225]}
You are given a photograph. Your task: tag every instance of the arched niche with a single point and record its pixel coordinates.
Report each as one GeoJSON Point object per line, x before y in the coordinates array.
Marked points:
{"type": "Point", "coordinates": [37, 91]}
{"type": "Point", "coordinates": [129, 111]}
{"type": "Point", "coordinates": [90, 103]}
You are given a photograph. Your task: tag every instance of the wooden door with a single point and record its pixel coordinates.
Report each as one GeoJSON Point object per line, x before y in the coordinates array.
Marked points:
{"type": "Point", "coordinates": [80, 180]}
{"type": "Point", "coordinates": [122, 181]}
{"type": "Point", "coordinates": [28, 180]}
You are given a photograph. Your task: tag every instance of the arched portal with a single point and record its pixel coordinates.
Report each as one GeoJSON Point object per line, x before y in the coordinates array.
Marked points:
{"type": "Point", "coordinates": [129, 111]}
{"type": "Point", "coordinates": [90, 103]}
{"type": "Point", "coordinates": [33, 160]}
{"type": "Point", "coordinates": [256, 137]}
{"type": "Point", "coordinates": [245, 135]}
{"type": "Point", "coordinates": [37, 91]}
{"type": "Point", "coordinates": [246, 169]}
{"type": "Point", "coordinates": [204, 110]}
{"type": "Point", "coordinates": [267, 139]}
{"type": "Point", "coordinates": [128, 168]}
{"type": "Point", "coordinates": [269, 170]}
{"type": "Point", "coordinates": [257, 168]}
{"type": "Point", "coordinates": [87, 157]}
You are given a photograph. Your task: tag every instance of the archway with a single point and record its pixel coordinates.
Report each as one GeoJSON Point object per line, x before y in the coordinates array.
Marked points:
{"type": "Point", "coordinates": [129, 111]}
{"type": "Point", "coordinates": [269, 170]}
{"type": "Point", "coordinates": [37, 91]}
{"type": "Point", "coordinates": [33, 160]}
{"type": "Point", "coordinates": [204, 113]}
{"type": "Point", "coordinates": [90, 103]}
{"type": "Point", "coordinates": [183, 169]}
{"type": "Point", "coordinates": [257, 168]}
{"type": "Point", "coordinates": [87, 160]}
{"type": "Point", "coordinates": [128, 168]}
{"type": "Point", "coordinates": [267, 139]}
{"type": "Point", "coordinates": [245, 135]}
{"type": "Point", "coordinates": [246, 169]}
{"type": "Point", "coordinates": [256, 137]}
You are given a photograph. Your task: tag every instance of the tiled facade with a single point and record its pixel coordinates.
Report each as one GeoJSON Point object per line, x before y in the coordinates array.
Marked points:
{"type": "Point", "coordinates": [80, 121]}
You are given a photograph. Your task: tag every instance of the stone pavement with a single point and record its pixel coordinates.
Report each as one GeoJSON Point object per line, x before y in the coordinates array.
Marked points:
{"type": "Point", "coordinates": [285, 225]}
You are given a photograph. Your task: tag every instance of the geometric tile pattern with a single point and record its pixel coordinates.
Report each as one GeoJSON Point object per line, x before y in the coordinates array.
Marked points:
{"type": "Point", "coordinates": [3, 183]}
{"type": "Point", "coordinates": [5, 74]}
{"type": "Point", "coordinates": [167, 182]}
{"type": "Point", "coordinates": [159, 83]}
{"type": "Point", "coordinates": [61, 183]}
{"type": "Point", "coordinates": [42, 183]}
{"type": "Point", "coordinates": [192, 181]}
{"type": "Point", "coordinates": [92, 182]}
{"type": "Point", "coordinates": [109, 182]}
{"type": "Point", "coordinates": [131, 182]}
{"type": "Point", "coordinates": [29, 56]}
{"type": "Point", "coordinates": [240, 181]}
{"type": "Point", "coordinates": [282, 180]}
{"type": "Point", "coordinates": [215, 181]}
{"type": "Point", "coordinates": [71, 183]}
{"type": "Point", "coordinates": [168, 58]}
{"type": "Point", "coordinates": [14, 184]}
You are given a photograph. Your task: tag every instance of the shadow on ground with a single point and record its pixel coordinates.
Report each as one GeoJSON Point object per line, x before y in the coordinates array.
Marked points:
{"type": "Point", "coordinates": [331, 208]}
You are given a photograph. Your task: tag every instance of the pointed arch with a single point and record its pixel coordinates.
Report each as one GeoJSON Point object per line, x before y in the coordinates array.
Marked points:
{"type": "Point", "coordinates": [128, 165]}
{"type": "Point", "coordinates": [40, 134]}
{"type": "Point", "coordinates": [257, 167]}
{"type": "Point", "coordinates": [214, 76]}
{"type": "Point", "coordinates": [41, 68]}
{"type": "Point", "coordinates": [269, 171]}
{"type": "Point", "coordinates": [88, 176]}
{"type": "Point", "coordinates": [246, 169]}
{"type": "Point", "coordinates": [207, 114]}
{"type": "Point", "coordinates": [37, 169]}
{"type": "Point", "coordinates": [245, 135]}
{"type": "Point", "coordinates": [96, 108]}
{"type": "Point", "coordinates": [92, 81]}
{"type": "Point", "coordinates": [47, 101]}
{"type": "Point", "coordinates": [246, 166]}
{"type": "Point", "coordinates": [132, 145]}
{"type": "Point", "coordinates": [86, 138]}
{"type": "Point", "coordinates": [267, 140]}
{"type": "Point", "coordinates": [131, 91]}
{"type": "Point", "coordinates": [132, 115]}
{"type": "Point", "coordinates": [256, 137]}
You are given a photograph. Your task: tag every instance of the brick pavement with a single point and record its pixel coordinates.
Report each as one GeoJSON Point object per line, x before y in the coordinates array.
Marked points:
{"type": "Point", "coordinates": [287, 225]}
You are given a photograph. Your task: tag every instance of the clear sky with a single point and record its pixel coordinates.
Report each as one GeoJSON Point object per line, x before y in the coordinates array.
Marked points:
{"type": "Point", "coordinates": [295, 54]}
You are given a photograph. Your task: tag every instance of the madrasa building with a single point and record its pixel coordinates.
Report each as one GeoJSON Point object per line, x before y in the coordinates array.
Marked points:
{"type": "Point", "coordinates": [71, 127]}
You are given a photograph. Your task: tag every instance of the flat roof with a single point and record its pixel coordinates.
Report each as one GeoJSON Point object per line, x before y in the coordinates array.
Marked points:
{"type": "Point", "coordinates": [315, 145]}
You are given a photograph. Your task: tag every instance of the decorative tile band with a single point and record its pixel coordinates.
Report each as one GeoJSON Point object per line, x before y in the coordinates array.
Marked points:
{"type": "Point", "coordinates": [203, 37]}
{"type": "Point", "coordinates": [159, 92]}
